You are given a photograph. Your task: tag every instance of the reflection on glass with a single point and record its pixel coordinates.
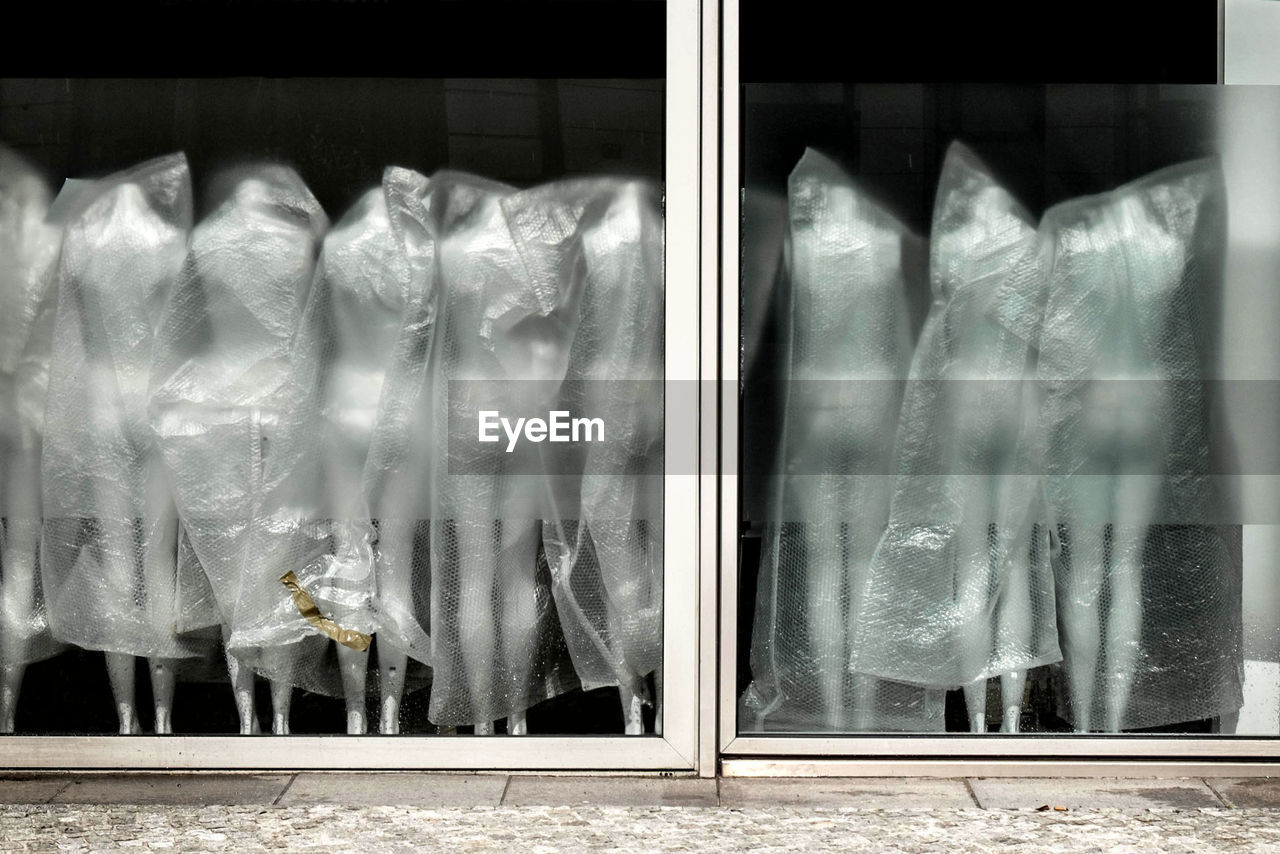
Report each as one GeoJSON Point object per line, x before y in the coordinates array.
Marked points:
{"type": "Point", "coordinates": [1055, 499]}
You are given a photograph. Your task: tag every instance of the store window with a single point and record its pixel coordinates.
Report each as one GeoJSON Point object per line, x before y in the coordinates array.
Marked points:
{"type": "Point", "coordinates": [336, 405]}
{"type": "Point", "coordinates": [1006, 398]}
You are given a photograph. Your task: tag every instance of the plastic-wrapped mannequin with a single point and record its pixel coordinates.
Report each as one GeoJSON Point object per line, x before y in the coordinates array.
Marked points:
{"type": "Point", "coordinates": [344, 348]}
{"type": "Point", "coordinates": [218, 384]}
{"type": "Point", "coordinates": [1148, 598]}
{"type": "Point", "coordinates": [28, 300]}
{"type": "Point", "coordinates": [111, 529]}
{"type": "Point", "coordinates": [491, 616]}
{"type": "Point", "coordinates": [397, 468]}
{"type": "Point", "coordinates": [848, 352]}
{"type": "Point", "coordinates": [960, 588]}
{"type": "Point", "coordinates": [599, 244]}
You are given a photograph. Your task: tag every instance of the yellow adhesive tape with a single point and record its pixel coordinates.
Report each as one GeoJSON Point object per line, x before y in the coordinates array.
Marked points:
{"type": "Point", "coordinates": [311, 613]}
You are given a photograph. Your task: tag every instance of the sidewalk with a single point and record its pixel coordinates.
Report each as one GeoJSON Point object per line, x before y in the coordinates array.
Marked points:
{"type": "Point", "coordinates": [371, 812]}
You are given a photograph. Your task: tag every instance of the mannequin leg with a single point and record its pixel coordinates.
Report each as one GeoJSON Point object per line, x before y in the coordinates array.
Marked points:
{"type": "Point", "coordinates": [1227, 724]}
{"type": "Point", "coordinates": [279, 660]}
{"type": "Point", "coordinates": [1012, 685]}
{"type": "Point", "coordinates": [1134, 502]}
{"type": "Point", "coordinates": [242, 688]}
{"type": "Point", "coordinates": [354, 666]}
{"type": "Point", "coordinates": [632, 711]}
{"type": "Point", "coordinates": [1124, 625]}
{"type": "Point", "coordinates": [1079, 621]}
{"type": "Point", "coordinates": [828, 630]}
{"type": "Point", "coordinates": [17, 592]}
{"type": "Point", "coordinates": [519, 608]}
{"type": "Point", "coordinates": [518, 724]}
{"type": "Point", "coordinates": [163, 681]}
{"type": "Point", "coordinates": [863, 691]}
{"type": "Point", "coordinates": [476, 625]}
{"type": "Point", "coordinates": [391, 670]}
{"type": "Point", "coordinates": [121, 669]}
{"type": "Point", "coordinates": [975, 703]}
{"type": "Point", "coordinates": [10, 687]}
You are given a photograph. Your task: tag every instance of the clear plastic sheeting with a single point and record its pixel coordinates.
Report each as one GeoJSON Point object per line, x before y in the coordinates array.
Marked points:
{"type": "Point", "coordinates": [960, 588]}
{"type": "Point", "coordinates": [220, 392]}
{"type": "Point", "coordinates": [28, 302]}
{"type": "Point", "coordinates": [1148, 594]}
{"type": "Point", "coordinates": [847, 351]}
{"type": "Point", "coordinates": [496, 648]}
{"type": "Point", "coordinates": [598, 244]}
{"type": "Point", "coordinates": [109, 557]}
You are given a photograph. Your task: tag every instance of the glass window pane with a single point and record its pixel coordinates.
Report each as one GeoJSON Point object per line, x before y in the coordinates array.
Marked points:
{"type": "Point", "coordinates": [253, 331]}
{"type": "Point", "coordinates": [1008, 408]}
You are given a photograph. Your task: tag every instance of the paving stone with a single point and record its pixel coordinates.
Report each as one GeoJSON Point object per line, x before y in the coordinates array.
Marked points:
{"type": "Point", "coordinates": [1089, 794]}
{"type": "Point", "coordinates": [397, 789]}
{"type": "Point", "coordinates": [185, 789]}
{"type": "Point", "coordinates": [639, 829]}
{"type": "Point", "coordinates": [610, 791]}
{"type": "Point", "coordinates": [23, 789]}
{"type": "Point", "coordinates": [1261, 792]}
{"type": "Point", "coordinates": [858, 792]}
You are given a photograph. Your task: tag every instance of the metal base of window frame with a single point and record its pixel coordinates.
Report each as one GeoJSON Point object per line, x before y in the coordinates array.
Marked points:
{"type": "Point", "coordinates": [597, 754]}
{"type": "Point", "coordinates": [951, 768]}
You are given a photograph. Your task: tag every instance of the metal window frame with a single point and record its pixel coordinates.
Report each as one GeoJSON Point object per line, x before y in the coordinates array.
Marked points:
{"type": "Point", "coordinates": [677, 750]}
{"type": "Point", "coordinates": [893, 755]}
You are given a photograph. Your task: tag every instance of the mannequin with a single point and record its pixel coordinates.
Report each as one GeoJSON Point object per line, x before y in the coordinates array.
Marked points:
{"type": "Point", "coordinates": [1148, 600]}
{"type": "Point", "coordinates": [111, 530]}
{"type": "Point", "coordinates": [598, 244]}
{"type": "Point", "coordinates": [221, 368]}
{"type": "Point", "coordinates": [490, 615]}
{"type": "Point", "coordinates": [361, 294]}
{"type": "Point", "coordinates": [848, 348]}
{"type": "Point", "coordinates": [28, 300]}
{"type": "Point", "coordinates": [959, 590]}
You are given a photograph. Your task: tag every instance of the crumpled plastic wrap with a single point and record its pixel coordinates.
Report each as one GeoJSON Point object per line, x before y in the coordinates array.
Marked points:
{"type": "Point", "coordinates": [495, 646]}
{"type": "Point", "coordinates": [599, 244]}
{"type": "Point", "coordinates": [1148, 597]}
{"type": "Point", "coordinates": [848, 353]}
{"type": "Point", "coordinates": [111, 577]}
{"type": "Point", "coordinates": [28, 301]}
{"type": "Point", "coordinates": [344, 348]}
{"type": "Point", "coordinates": [960, 587]}
{"type": "Point", "coordinates": [220, 393]}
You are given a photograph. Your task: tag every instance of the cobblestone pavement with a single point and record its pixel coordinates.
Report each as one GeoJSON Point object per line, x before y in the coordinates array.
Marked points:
{"type": "Point", "coordinates": [624, 829]}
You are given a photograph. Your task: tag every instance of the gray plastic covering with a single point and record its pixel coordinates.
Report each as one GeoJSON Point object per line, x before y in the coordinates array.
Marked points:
{"type": "Point", "coordinates": [960, 588]}
{"type": "Point", "coordinates": [110, 573]}
{"type": "Point", "coordinates": [848, 352]}
{"type": "Point", "coordinates": [1148, 597]}
{"type": "Point", "coordinates": [28, 302]}
{"type": "Point", "coordinates": [495, 645]}
{"type": "Point", "coordinates": [220, 393]}
{"type": "Point", "coordinates": [598, 244]}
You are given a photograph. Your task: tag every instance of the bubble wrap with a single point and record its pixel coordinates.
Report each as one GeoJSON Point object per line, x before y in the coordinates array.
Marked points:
{"type": "Point", "coordinates": [28, 301]}
{"type": "Point", "coordinates": [960, 587]}
{"type": "Point", "coordinates": [599, 243]}
{"type": "Point", "coordinates": [109, 555]}
{"type": "Point", "coordinates": [220, 393]}
{"type": "Point", "coordinates": [492, 623]}
{"type": "Point", "coordinates": [847, 357]}
{"type": "Point", "coordinates": [1148, 600]}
